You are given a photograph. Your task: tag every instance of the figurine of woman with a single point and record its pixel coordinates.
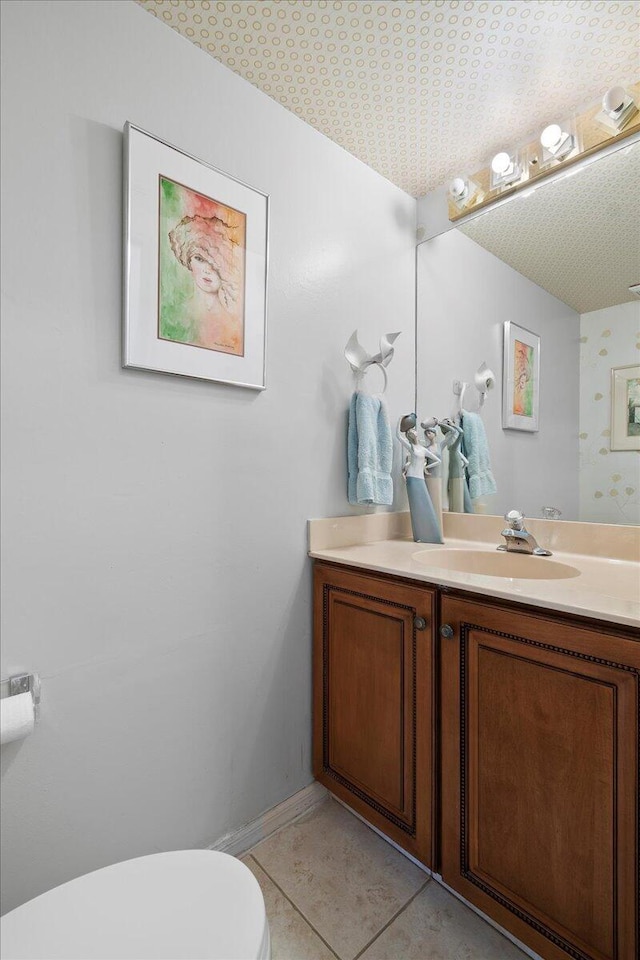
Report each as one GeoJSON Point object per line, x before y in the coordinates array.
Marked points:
{"type": "Point", "coordinates": [459, 500]}
{"type": "Point", "coordinates": [424, 522]}
{"type": "Point", "coordinates": [433, 471]}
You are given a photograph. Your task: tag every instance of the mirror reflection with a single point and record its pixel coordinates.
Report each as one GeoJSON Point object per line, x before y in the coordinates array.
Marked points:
{"type": "Point", "coordinates": [558, 429]}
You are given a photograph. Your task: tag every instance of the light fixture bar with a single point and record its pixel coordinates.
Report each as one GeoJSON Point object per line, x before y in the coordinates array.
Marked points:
{"type": "Point", "coordinates": [564, 145]}
{"type": "Point", "coordinates": [558, 173]}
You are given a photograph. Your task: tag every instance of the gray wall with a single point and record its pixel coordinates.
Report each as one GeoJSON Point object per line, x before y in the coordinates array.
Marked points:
{"type": "Point", "coordinates": [464, 296]}
{"type": "Point", "coordinates": [154, 567]}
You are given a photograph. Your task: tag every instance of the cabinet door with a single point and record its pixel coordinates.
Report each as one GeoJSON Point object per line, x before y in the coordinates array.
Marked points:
{"type": "Point", "coordinates": [540, 777]}
{"type": "Point", "coordinates": [373, 701]}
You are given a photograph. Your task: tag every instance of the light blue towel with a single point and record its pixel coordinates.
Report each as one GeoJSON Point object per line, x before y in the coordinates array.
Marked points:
{"type": "Point", "coordinates": [466, 496]}
{"type": "Point", "coordinates": [369, 451]}
{"type": "Point", "coordinates": [481, 479]}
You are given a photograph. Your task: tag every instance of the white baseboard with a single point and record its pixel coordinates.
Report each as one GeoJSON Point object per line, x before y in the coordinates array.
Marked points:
{"type": "Point", "coordinates": [242, 840]}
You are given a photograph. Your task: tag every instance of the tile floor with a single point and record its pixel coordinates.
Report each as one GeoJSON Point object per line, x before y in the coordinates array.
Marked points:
{"type": "Point", "coordinates": [335, 889]}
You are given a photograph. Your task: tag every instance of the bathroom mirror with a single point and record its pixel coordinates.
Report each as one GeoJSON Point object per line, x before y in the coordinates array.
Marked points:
{"type": "Point", "coordinates": [557, 261]}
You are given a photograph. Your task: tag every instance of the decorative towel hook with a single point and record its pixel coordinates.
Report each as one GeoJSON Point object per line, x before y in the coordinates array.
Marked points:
{"type": "Point", "coordinates": [22, 683]}
{"type": "Point", "coordinates": [459, 389]}
{"type": "Point", "coordinates": [485, 380]}
{"type": "Point", "coordinates": [360, 361]}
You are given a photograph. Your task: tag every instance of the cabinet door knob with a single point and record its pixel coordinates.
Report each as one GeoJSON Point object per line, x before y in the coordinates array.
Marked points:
{"type": "Point", "coordinates": [446, 631]}
{"type": "Point", "coordinates": [420, 623]}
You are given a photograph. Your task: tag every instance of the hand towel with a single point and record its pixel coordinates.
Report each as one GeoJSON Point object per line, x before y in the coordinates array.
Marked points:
{"type": "Point", "coordinates": [369, 451]}
{"type": "Point", "coordinates": [466, 496]}
{"type": "Point", "coordinates": [456, 475]}
{"type": "Point", "coordinates": [481, 479]}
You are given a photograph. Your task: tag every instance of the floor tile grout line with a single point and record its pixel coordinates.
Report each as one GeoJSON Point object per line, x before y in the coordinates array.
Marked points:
{"type": "Point", "coordinates": [393, 919]}
{"type": "Point", "coordinates": [297, 909]}
{"type": "Point", "coordinates": [321, 802]}
{"type": "Point", "coordinates": [481, 916]}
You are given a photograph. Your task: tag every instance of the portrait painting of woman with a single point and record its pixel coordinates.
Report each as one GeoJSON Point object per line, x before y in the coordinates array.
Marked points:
{"type": "Point", "coordinates": [201, 270]}
{"type": "Point", "coordinates": [520, 378]}
{"type": "Point", "coordinates": [523, 379]}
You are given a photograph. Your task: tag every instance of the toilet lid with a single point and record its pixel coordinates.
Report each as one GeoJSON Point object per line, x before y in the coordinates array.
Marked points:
{"type": "Point", "coordinates": [196, 904]}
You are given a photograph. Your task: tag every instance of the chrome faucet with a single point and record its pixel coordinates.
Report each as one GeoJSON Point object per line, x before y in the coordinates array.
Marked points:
{"type": "Point", "coordinates": [518, 538]}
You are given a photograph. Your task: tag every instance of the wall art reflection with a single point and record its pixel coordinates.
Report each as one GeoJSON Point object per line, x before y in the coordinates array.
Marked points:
{"type": "Point", "coordinates": [521, 378]}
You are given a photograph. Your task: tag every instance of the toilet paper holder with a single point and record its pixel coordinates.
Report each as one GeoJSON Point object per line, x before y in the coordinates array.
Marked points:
{"type": "Point", "coordinates": [22, 683]}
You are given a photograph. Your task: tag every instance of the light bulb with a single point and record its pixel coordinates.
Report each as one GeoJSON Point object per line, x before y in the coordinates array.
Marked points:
{"type": "Point", "coordinates": [501, 163]}
{"type": "Point", "coordinates": [613, 100]}
{"type": "Point", "coordinates": [459, 188]}
{"type": "Point", "coordinates": [551, 136]}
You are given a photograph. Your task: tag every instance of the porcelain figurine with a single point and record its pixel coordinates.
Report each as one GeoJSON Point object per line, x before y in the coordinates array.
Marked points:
{"type": "Point", "coordinates": [424, 522]}
{"type": "Point", "coordinates": [433, 471]}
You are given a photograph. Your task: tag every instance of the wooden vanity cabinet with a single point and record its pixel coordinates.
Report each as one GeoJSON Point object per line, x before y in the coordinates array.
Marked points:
{"type": "Point", "coordinates": [539, 744]}
{"type": "Point", "coordinates": [373, 700]}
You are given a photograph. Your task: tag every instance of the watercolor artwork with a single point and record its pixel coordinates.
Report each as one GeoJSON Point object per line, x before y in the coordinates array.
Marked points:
{"type": "Point", "coordinates": [201, 270]}
{"type": "Point", "coordinates": [195, 288]}
{"type": "Point", "coordinates": [633, 407]}
{"type": "Point", "coordinates": [521, 378]}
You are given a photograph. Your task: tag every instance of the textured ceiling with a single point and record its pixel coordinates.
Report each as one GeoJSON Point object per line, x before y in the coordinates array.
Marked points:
{"type": "Point", "coordinates": [420, 90]}
{"type": "Point", "coordinates": [579, 237]}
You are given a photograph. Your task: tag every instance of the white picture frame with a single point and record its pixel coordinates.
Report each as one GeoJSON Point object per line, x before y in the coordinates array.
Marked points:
{"type": "Point", "coordinates": [521, 379]}
{"type": "Point", "coordinates": [625, 407]}
{"type": "Point", "coordinates": [195, 267]}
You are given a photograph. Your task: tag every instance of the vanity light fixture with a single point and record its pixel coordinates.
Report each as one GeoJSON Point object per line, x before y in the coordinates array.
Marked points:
{"type": "Point", "coordinates": [505, 169]}
{"type": "Point", "coordinates": [464, 192]}
{"type": "Point", "coordinates": [556, 143]}
{"type": "Point", "coordinates": [459, 189]}
{"type": "Point", "coordinates": [561, 149]}
{"type": "Point", "coordinates": [618, 108]}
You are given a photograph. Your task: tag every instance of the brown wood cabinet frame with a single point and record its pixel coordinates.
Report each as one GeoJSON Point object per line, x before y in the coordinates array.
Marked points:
{"type": "Point", "coordinates": [434, 830]}
{"type": "Point", "coordinates": [410, 824]}
{"type": "Point", "coordinates": [609, 657]}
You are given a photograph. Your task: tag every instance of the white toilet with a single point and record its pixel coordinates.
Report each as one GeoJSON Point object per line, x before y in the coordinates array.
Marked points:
{"type": "Point", "coordinates": [183, 905]}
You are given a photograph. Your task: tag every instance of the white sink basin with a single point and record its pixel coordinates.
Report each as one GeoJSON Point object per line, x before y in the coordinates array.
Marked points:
{"type": "Point", "coordinates": [517, 566]}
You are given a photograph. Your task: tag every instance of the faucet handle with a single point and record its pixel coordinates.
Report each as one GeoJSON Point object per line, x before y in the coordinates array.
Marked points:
{"type": "Point", "coordinates": [515, 519]}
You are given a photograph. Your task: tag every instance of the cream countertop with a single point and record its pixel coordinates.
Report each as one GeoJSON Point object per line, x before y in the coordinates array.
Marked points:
{"type": "Point", "coordinates": [608, 588]}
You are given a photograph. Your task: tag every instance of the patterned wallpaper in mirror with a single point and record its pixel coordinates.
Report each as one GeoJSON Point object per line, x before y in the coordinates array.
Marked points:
{"type": "Point", "coordinates": [609, 479]}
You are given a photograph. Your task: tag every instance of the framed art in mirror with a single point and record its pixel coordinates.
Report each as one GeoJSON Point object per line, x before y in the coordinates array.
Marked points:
{"type": "Point", "coordinates": [625, 408]}
{"type": "Point", "coordinates": [521, 378]}
{"type": "Point", "coordinates": [195, 271]}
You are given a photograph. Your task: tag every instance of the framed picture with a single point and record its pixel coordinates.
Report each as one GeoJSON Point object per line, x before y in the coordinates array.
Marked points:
{"type": "Point", "coordinates": [521, 378]}
{"type": "Point", "coordinates": [625, 408]}
{"type": "Point", "coordinates": [195, 270]}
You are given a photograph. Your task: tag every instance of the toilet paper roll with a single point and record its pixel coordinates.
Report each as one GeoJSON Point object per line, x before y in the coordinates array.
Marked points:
{"type": "Point", "coordinates": [16, 717]}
